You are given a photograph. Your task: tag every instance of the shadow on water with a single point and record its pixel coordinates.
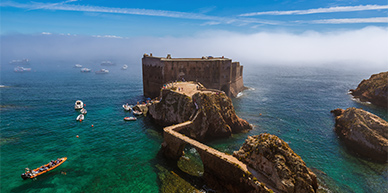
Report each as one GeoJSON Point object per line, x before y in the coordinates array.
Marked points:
{"type": "Point", "coordinates": [38, 183]}
{"type": "Point", "coordinates": [183, 175]}
{"type": "Point", "coordinates": [171, 178]}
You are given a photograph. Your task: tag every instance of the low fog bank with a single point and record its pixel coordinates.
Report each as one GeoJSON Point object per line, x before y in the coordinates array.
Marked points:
{"type": "Point", "coordinates": [362, 48]}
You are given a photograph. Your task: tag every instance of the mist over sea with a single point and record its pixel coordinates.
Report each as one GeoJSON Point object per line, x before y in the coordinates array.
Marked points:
{"type": "Point", "coordinates": [38, 124]}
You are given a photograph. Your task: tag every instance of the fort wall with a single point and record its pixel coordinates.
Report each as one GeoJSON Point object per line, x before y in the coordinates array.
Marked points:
{"type": "Point", "coordinates": [216, 73]}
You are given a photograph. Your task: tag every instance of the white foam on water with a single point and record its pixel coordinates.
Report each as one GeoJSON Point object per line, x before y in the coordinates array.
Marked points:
{"type": "Point", "coordinates": [359, 101]}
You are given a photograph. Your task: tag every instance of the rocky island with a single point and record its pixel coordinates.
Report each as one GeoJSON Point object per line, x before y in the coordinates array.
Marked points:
{"type": "Point", "coordinates": [374, 90]}
{"type": "Point", "coordinates": [273, 158]}
{"type": "Point", "coordinates": [362, 132]}
{"type": "Point", "coordinates": [211, 111]}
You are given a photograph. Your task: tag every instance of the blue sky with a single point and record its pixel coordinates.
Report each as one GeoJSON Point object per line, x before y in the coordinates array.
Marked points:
{"type": "Point", "coordinates": [182, 18]}
{"type": "Point", "coordinates": [280, 32]}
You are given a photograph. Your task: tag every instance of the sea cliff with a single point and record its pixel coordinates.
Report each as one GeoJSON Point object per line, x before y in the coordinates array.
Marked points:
{"type": "Point", "coordinates": [374, 90]}
{"type": "Point", "coordinates": [363, 132]}
{"type": "Point", "coordinates": [211, 112]}
{"type": "Point", "coordinates": [273, 158]}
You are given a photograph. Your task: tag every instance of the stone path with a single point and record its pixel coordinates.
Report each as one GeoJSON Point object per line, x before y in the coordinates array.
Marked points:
{"type": "Point", "coordinates": [187, 88]}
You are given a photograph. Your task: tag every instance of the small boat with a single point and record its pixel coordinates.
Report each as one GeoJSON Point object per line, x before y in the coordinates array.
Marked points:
{"type": "Point", "coordinates": [107, 63]}
{"type": "Point", "coordinates": [83, 111]}
{"type": "Point", "coordinates": [135, 112]}
{"type": "Point", "coordinates": [80, 117]}
{"type": "Point", "coordinates": [130, 118]}
{"type": "Point", "coordinates": [86, 70]}
{"type": "Point", "coordinates": [78, 105]}
{"type": "Point", "coordinates": [43, 169]}
{"type": "Point", "coordinates": [102, 71]}
{"type": "Point", "coordinates": [21, 69]}
{"type": "Point", "coordinates": [20, 62]}
{"type": "Point", "coordinates": [127, 107]}
{"type": "Point", "coordinates": [78, 66]}
{"type": "Point", "coordinates": [124, 67]}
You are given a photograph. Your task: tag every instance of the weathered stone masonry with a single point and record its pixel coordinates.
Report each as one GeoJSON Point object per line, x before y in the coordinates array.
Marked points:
{"type": "Point", "coordinates": [225, 169]}
{"type": "Point", "coordinates": [213, 72]}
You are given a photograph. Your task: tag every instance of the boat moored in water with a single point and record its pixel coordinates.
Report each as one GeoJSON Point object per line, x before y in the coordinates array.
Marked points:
{"type": "Point", "coordinates": [130, 118]}
{"type": "Point", "coordinates": [21, 69]}
{"type": "Point", "coordinates": [78, 66]}
{"type": "Point", "coordinates": [107, 63]}
{"type": "Point", "coordinates": [78, 105]}
{"type": "Point", "coordinates": [135, 112]}
{"type": "Point", "coordinates": [80, 117]}
{"type": "Point", "coordinates": [124, 67]}
{"type": "Point", "coordinates": [127, 107]}
{"type": "Point", "coordinates": [20, 62]}
{"type": "Point", "coordinates": [102, 71]}
{"type": "Point", "coordinates": [86, 70]}
{"type": "Point", "coordinates": [43, 169]}
{"type": "Point", "coordinates": [83, 111]}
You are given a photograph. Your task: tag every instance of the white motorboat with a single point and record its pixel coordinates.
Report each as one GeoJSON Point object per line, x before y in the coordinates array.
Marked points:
{"type": "Point", "coordinates": [21, 69]}
{"type": "Point", "coordinates": [86, 70]}
{"type": "Point", "coordinates": [83, 111]}
{"type": "Point", "coordinates": [135, 112]}
{"type": "Point", "coordinates": [20, 62]}
{"type": "Point", "coordinates": [130, 118]}
{"type": "Point", "coordinates": [78, 66]}
{"type": "Point", "coordinates": [127, 107]}
{"type": "Point", "coordinates": [107, 63]}
{"type": "Point", "coordinates": [78, 105]}
{"type": "Point", "coordinates": [124, 67]}
{"type": "Point", "coordinates": [80, 117]}
{"type": "Point", "coordinates": [102, 71]}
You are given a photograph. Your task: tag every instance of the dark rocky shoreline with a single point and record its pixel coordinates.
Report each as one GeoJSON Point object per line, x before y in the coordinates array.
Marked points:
{"type": "Point", "coordinates": [363, 133]}
{"type": "Point", "coordinates": [374, 90]}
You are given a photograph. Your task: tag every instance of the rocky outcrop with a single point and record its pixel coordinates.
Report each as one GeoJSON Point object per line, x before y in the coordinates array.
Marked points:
{"type": "Point", "coordinates": [363, 132]}
{"type": "Point", "coordinates": [273, 158]}
{"type": "Point", "coordinates": [173, 108]}
{"type": "Point", "coordinates": [215, 117]}
{"type": "Point", "coordinates": [212, 114]}
{"type": "Point", "coordinates": [374, 90]}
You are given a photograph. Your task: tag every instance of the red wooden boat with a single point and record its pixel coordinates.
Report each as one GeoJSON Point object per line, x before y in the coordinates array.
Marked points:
{"type": "Point", "coordinates": [43, 169]}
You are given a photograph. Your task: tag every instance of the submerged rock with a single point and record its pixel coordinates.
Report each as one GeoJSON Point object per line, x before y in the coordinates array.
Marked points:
{"type": "Point", "coordinates": [273, 158]}
{"type": "Point", "coordinates": [363, 133]}
{"type": "Point", "coordinates": [211, 112]}
{"type": "Point", "coordinates": [374, 90]}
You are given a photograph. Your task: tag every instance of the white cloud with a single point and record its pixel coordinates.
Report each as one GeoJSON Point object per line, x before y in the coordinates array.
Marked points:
{"type": "Point", "coordinates": [351, 20]}
{"type": "Point", "coordinates": [321, 10]}
{"type": "Point", "coordinates": [107, 36]}
{"type": "Point", "coordinates": [64, 6]}
{"type": "Point", "coordinates": [209, 20]}
{"type": "Point", "coordinates": [365, 47]}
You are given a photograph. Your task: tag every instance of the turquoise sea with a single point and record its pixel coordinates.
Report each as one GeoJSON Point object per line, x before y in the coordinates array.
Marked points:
{"type": "Point", "coordinates": [38, 125]}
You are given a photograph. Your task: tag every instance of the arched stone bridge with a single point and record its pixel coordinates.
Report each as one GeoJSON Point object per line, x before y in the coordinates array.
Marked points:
{"type": "Point", "coordinates": [219, 167]}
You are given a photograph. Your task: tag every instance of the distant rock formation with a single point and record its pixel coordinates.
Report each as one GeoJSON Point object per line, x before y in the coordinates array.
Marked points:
{"type": "Point", "coordinates": [272, 157]}
{"type": "Point", "coordinates": [363, 133]}
{"type": "Point", "coordinates": [212, 114]}
{"type": "Point", "coordinates": [374, 90]}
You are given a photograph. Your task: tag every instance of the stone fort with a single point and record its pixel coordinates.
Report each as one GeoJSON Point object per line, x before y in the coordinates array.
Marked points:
{"type": "Point", "coordinates": [213, 72]}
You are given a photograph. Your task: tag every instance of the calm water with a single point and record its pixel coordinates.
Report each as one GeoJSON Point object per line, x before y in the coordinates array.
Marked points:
{"type": "Point", "coordinates": [38, 124]}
